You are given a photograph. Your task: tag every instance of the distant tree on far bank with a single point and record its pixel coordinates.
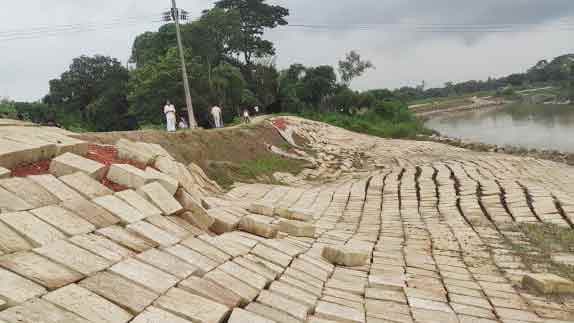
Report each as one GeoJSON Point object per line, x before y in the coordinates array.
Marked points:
{"type": "Point", "coordinates": [352, 67]}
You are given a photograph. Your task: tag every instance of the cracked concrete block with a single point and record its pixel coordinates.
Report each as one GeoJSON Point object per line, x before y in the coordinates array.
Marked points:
{"type": "Point", "coordinates": [257, 227]}
{"type": "Point", "coordinates": [548, 284]}
{"type": "Point", "coordinates": [159, 196]}
{"type": "Point", "coordinates": [297, 228]}
{"type": "Point", "coordinates": [346, 256]}
{"type": "Point", "coordinates": [128, 175]}
{"type": "Point", "coordinates": [69, 163]}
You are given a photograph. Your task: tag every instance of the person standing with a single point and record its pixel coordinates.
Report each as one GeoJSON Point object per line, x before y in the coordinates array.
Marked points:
{"type": "Point", "coordinates": [169, 111]}
{"type": "Point", "coordinates": [256, 109]}
{"type": "Point", "coordinates": [216, 114]}
{"type": "Point", "coordinates": [246, 117]}
{"type": "Point", "coordinates": [182, 123]}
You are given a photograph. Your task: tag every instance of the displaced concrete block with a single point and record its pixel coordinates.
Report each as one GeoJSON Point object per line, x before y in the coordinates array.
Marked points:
{"type": "Point", "coordinates": [85, 185]}
{"type": "Point", "coordinates": [297, 228]}
{"type": "Point", "coordinates": [40, 270]}
{"type": "Point", "coordinates": [257, 227]}
{"type": "Point", "coordinates": [69, 163]}
{"type": "Point", "coordinates": [87, 304]}
{"type": "Point", "coordinates": [201, 220]}
{"type": "Point", "coordinates": [223, 221]}
{"type": "Point", "coordinates": [159, 196]}
{"type": "Point", "coordinates": [128, 176]}
{"type": "Point", "coordinates": [29, 191]}
{"type": "Point", "coordinates": [138, 202]}
{"type": "Point", "coordinates": [262, 207]}
{"type": "Point", "coordinates": [129, 150]}
{"type": "Point", "coordinates": [125, 212]}
{"type": "Point", "coordinates": [168, 182]}
{"type": "Point", "coordinates": [121, 291]}
{"type": "Point", "coordinates": [192, 307]}
{"type": "Point", "coordinates": [346, 256]}
{"type": "Point", "coordinates": [295, 214]}
{"type": "Point", "coordinates": [548, 284]}
{"type": "Point", "coordinates": [189, 202]}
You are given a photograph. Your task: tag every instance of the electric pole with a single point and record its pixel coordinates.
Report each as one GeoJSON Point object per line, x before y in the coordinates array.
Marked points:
{"type": "Point", "coordinates": [176, 15]}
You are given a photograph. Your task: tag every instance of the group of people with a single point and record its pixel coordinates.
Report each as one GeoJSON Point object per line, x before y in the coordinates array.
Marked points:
{"type": "Point", "coordinates": [216, 113]}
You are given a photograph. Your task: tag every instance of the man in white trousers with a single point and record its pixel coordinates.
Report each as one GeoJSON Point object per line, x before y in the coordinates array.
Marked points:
{"type": "Point", "coordinates": [169, 111]}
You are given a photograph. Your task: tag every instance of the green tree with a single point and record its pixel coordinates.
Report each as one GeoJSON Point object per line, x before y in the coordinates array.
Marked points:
{"type": "Point", "coordinates": [228, 87]}
{"type": "Point", "coordinates": [317, 84]}
{"type": "Point", "coordinates": [151, 46]}
{"type": "Point", "coordinates": [255, 17]}
{"type": "Point", "coordinates": [90, 80]}
{"type": "Point", "coordinates": [352, 67]}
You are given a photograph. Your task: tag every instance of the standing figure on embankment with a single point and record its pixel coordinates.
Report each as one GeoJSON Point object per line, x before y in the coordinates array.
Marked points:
{"type": "Point", "coordinates": [169, 111]}
{"type": "Point", "coordinates": [217, 118]}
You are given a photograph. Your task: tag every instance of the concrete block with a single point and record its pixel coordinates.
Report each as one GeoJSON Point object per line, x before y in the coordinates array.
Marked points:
{"type": "Point", "coordinates": [153, 233]}
{"type": "Point", "coordinates": [548, 284]}
{"type": "Point", "coordinates": [69, 163]}
{"type": "Point", "coordinates": [53, 185]}
{"type": "Point", "coordinates": [29, 191]}
{"type": "Point", "coordinates": [102, 247]}
{"type": "Point", "coordinates": [138, 202]}
{"type": "Point", "coordinates": [127, 239]}
{"type": "Point", "coordinates": [121, 291]}
{"type": "Point", "coordinates": [122, 210]}
{"type": "Point", "coordinates": [241, 316]}
{"type": "Point", "coordinates": [9, 202]}
{"type": "Point", "coordinates": [272, 255]}
{"type": "Point", "coordinates": [346, 256]}
{"type": "Point", "coordinates": [297, 228]}
{"type": "Point", "coordinates": [161, 198]}
{"type": "Point", "coordinates": [64, 220]}
{"type": "Point", "coordinates": [32, 228]}
{"type": "Point", "coordinates": [339, 313]}
{"type": "Point", "coordinates": [153, 314]}
{"type": "Point", "coordinates": [73, 257]}
{"type": "Point", "coordinates": [91, 212]}
{"type": "Point", "coordinates": [192, 307]}
{"type": "Point", "coordinates": [38, 310]}
{"type": "Point", "coordinates": [87, 304]}
{"type": "Point", "coordinates": [294, 214]}
{"type": "Point", "coordinates": [284, 304]}
{"type": "Point", "coordinates": [224, 280]}
{"type": "Point", "coordinates": [205, 288]}
{"type": "Point", "coordinates": [145, 275]}
{"type": "Point", "coordinates": [253, 279]}
{"type": "Point", "coordinates": [193, 257]}
{"type": "Point", "coordinates": [262, 207]}
{"type": "Point", "coordinates": [128, 176]}
{"type": "Point", "coordinates": [257, 227]}
{"type": "Point", "coordinates": [11, 241]}
{"type": "Point", "coordinates": [5, 173]}
{"type": "Point", "coordinates": [207, 250]}
{"type": "Point", "coordinates": [168, 263]}
{"type": "Point", "coordinates": [168, 182]}
{"type": "Point", "coordinates": [223, 221]}
{"type": "Point", "coordinates": [85, 185]}
{"type": "Point", "coordinates": [271, 313]}
{"type": "Point", "coordinates": [40, 270]}
{"type": "Point", "coordinates": [15, 289]}
{"type": "Point", "coordinates": [164, 223]}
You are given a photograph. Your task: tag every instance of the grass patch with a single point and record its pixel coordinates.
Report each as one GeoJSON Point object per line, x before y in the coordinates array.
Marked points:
{"type": "Point", "coordinates": [259, 170]}
{"type": "Point", "coordinates": [546, 240]}
{"type": "Point", "coordinates": [374, 125]}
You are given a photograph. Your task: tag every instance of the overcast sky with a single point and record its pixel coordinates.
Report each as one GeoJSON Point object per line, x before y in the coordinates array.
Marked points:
{"type": "Point", "coordinates": [30, 56]}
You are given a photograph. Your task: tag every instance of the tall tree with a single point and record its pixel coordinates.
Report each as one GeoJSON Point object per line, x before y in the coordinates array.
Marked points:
{"type": "Point", "coordinates": [353, 66]}
{"type": "Point", "coordinates": [88, 82]}
{"type": "Point", "coordinates": [255, 17]}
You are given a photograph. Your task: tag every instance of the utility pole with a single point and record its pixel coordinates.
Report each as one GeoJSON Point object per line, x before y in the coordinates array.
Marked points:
{"type": "Point", "coordinates": [176, 15]}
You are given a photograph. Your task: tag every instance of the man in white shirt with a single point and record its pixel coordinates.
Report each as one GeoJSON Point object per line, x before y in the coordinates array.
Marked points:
{"type": "Point", "coordinates": [169, 111]}
{"type": "Point", "coordinates": [216, 114]}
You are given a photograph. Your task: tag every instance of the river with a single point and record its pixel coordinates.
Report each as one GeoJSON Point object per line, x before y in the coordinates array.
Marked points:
{"type": "Point", "coordinates": [530, 126]}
